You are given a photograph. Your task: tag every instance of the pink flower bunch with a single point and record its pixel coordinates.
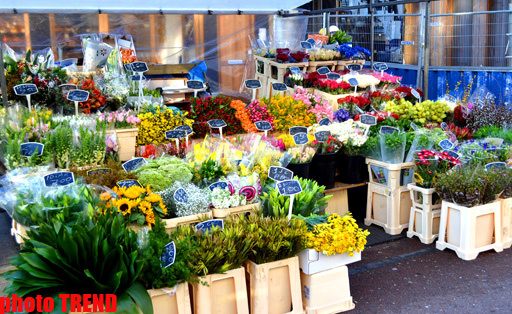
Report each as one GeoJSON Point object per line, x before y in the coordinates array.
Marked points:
{"type": "Point", "coordinates": [319, 107]}
{"type": "Point", "coordinates": [322, 110]}
{"type": "Point", "coordinates": [278, 143]}
{"type": "Point", "coordinates": [120, 119]}
{"type": "Point", "coordinates": [259, 112]}
{"type": "Point", "coordinates": [386, 77]}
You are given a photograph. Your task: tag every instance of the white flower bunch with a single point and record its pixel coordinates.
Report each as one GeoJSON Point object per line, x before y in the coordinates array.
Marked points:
{"type": "Point", "coordinates": [349, 132]}
{"type": "Point", "coordinates": [363, 80]}
{"type": "Point", "coordinates": [222, 198]}
{"type": "Point", "coordinates": [198, 199]}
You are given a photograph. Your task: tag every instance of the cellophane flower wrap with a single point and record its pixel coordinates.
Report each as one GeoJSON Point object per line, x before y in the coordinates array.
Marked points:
{"type": "Point", "coordinates": [218, 107]}
{"type": "Point", "coordinates": [350, 133]}
{"type": "Point", "coordinates": [152, 126]}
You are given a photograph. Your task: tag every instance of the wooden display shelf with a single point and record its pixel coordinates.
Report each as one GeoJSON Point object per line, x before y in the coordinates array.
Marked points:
{"type": "Point", "coordinates": [339, 202]}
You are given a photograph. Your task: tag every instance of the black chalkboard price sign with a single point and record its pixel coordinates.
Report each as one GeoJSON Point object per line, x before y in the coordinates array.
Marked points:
{"type": "Point", "coordinates": [388, 130]}
{"type": "Point", "coordinates": [221, 185]}
{"type": "Point", "coordinates": [322, 136]}
{"type": "Point", "coordinates": [451, 153]}
{"type": "Point", "coordinates": [169, 255]}
{"type": "Point", "coordinates": [138, 66]}
{"type": "Point", "coordinates": [99, 171]}
{"type": "Point", "coordinates": [59, 178]}
{"type": "Point", "coordinates": [289, 187]}
{"type": "Point", "coordinates": [279, 173]}
{"type": "Point", "coordinates": [195, 84]}
{"type": "Point", "coordinates": [188, 130]}
{"type": "Point", "coordinates": [78, 95]}
{"type": "Point", "coordinates": [355, 67]}
{"type": "Point", "coordinates": [301, 138]}
{"type": "Point", "coordinates": [137, 77]}
{"type": "Point", "coordinates": [25, 89]}
{"type": "Point", "coordinates": [209, 224]}
{"type": "Point", "coordinates": [368, 119]}
{"type": "Point", "coordinates": [295, 70]}
{"type": "Point", "coordinates": [216, 123]}
{"type": "Point", "coordinates": [175, 134]}
{"type": "Point", "coordinates": [298, 129]}
{"type": "Point", "coordinates": [353, 81]}
{"type": "Point", "coordinates": [252, 84]}
{"type": "Point", "coordinates": [280, 87]}
{"type": "Point", "coordinates": [324, 121]}
{"type": "Point", "coordinates": [128, 183]}
{"type": "Point", "coordinates": [333, 76]}
{"type": "Point", "coordinates": [306, 45]}
{"type": "Point", "coordinates": [134, 164]}
{"type": "Point", "coordinates": [311, 41]}
{"type": "Point", "coordinates": [263, 125]}
{"type": "Point", "coordinates": [445, 144]}
{"type": "Point", "coordinates": [496, 166]}
{"type": "Point", "coordinates": [380, 66]}
{"type": "Point", "coordinates": [28, 149]}
{"type": "Point", "coordinates": [181, 196]}
{"type": "Point", "coordinates": [323, 70]}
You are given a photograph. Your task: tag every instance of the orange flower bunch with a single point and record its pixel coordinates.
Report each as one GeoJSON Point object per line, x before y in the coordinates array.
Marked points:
{"type": "Point", "coordinates": [127, 55]}
{"type": "Point", "coordinates": [96, 100]}
{"type": "Point", "coordinates": [242, 115]}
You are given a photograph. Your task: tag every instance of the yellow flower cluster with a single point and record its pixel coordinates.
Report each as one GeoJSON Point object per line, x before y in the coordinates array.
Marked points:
{"type": "Point", "coordinates": [36, 117]}
{"type": "Point", "coordinates": [289, 142]}
{"type": "Point", "coordinates": [135, 201]}
{"type": "Point", "coordinates": [152, 127]}
{"type": "Point", "coordinates": [288, 112]}
{"type": "Point", "coordinates": [337, 236]}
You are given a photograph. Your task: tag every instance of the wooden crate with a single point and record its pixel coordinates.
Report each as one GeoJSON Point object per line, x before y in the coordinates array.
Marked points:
{"type": "Point", "coordinates": [274, 288]}
{"type": "Point", "coordinates": [470, 230]}
{"type": "Point", "coordinates": [265, 63]}
{"type": "Point", "coordinates": [263, 90]}
{"type": "Point", "coordinates": [425, 216]}
{"type": "Point", "coordinates": [173, 223]}
{"type": "Point", "coordinates": [224, 293]}
{"type": "Point", "coordinates": [311, 261]}
{"type": "Point", "coordinates": [171, 300]}
{"type": "Point", "coordinates": [388, 207]}
{"type": "Point", "coordinates": [343, 63]}
{"type": "Point", "coordinates": [327, 291]}
{"type": "Point", "coordinates": [126, 139]}
{"type": "Point", "coordinates": [315, 65]}
{"type": "Point", "coordinates": [506, 221]}
{"type": "Point", "coordinates": [235, 211]}
{"type": "Point", "coordinates": [332, 99]}
{"type": "Point", "coordinates": [338, 203]}
{"type": "Point", "coordinates": [278, 70]}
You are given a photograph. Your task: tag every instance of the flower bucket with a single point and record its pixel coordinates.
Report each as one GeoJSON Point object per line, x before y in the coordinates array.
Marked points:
{"type": "Point", "coordinates": [171, 300]}
{"type": "Point", "coordinates": [312, 262]}
{"type": "Point", "coordinates": [300, 170]}
{"type": "Point", "coordinates": [352, 169]}
{"type": "Point", "coordinates": [323, 169]}
{"type": "Point", "coordinates": [126, 142]}
{"type": "Point", "coordinates": [393, 147]}
{"type": "Point", "coordinates": [173, 223]}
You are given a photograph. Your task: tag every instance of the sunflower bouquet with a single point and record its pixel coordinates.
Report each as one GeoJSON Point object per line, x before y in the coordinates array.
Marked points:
{"type": "Point", "coordinates": [138, 204]}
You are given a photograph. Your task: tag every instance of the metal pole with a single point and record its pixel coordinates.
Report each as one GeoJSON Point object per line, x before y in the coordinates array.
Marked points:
{"type": "Point", "coordinates": [325, 22]}
{"type": "Point", "coordinates": [372, 33]}
{"type": "Point", "coordinates": [3, 81]}
{"type": "Point", "coordinates": [427, 50]}
{"type": "Point", "coordinates": [421, 46]}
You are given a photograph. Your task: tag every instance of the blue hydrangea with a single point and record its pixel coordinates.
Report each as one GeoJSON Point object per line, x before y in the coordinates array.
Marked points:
{"type": "Point", "coordinates": [341, 115]}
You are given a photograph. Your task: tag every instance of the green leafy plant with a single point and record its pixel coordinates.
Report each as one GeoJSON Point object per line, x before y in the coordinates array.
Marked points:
{"type": "Point", "coordinates": [107, 179]}
{"type": "Point", "coordinates": [339, 37]}
{"type": "Point", "coordinates": [89, 256]}
{"type": "Point", "coordinates": [163, 172]}
{"type": "Point", "coordinates": [210, 171]}
{"type": "Point", "coordinates": [310, 201]}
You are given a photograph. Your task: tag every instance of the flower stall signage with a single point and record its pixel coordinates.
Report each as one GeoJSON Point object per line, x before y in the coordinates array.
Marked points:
{"type": "Point", "coordinates": [333, 76]}
{"type": "Point", "coordinates": [252, 84]}
{"type": "Point", "coordinates": [450, 98]}
{"type": "Point", "coordinates": [279, 173]}
{"type": "Point", "coordinates": [353, 82]}
{"type": "Point", "coordinates": [209, 224]}
{"type": "Point", "coordinates": [445, 144]}
{"type": "Point", "coordinates": [355, 67]}
{"type": "Point", "coordinates": [494, 141]}
{"type": "Point", "coordinates": [388, 130]}
{"type": "Point", "coordinates": [416, 95]}
{"type": "Point", "coordinates": [311, 41]}
{"type": "Point", "coordinates": [414, 126]}
{"type": "Point", "coordinates": [263, 125]}
{"type": "Point", "coordinates": [280, 87]}
{"type": "Point", "coordinates": [138, 66]}
{"type": "Point", "coordinates": [444, 126]}
{"type": "Point", "coordinates": [181, 196]}
{"type": "Point", "coordinates": [59, 178]}
{"type": "Point", "coordinates": [298, 129]}
{"type": "Point", "coordinates": [217, 123]}
{"type": "Point", "coordinates": [175, 134]}
{"type": "Point", "coordinates": [290, 188]}
{"type": "Point", "coordinates": [322, 136]}
{"type": "Point", "coordinates": [98, 171]}
{"type": "Point", "coordinates": [28, 149]}
{"type": "Point", "coordinates": [195, 84]}
{"type": "Point", "coordinates": [324, 121]}
{"type": "Point", "coordinates": [136, 77]}
{"type": "Point", "coordinates": [134, 164]}
{"type": "Point", "coordinates": [128, 183]}
{"type": "Point", "coordinates": [380, 66]}
{"type": "Point", "coordinates": [221, 185]}
{"type": "Point", "coordinates": [496, 166]}
{"type": "Point", "coordinates": [25, 89]}
{"type": "Point", "coordinates": [295, 70]}
{"type": "Point", "coordinates": [305, 45]}
{"type": "Point", "coordinates": [78, 95]}
{"type": "Point", "coordinates": [301, 138]}
{"type": "Point", "coordinates": [368, 119]}
{"type": "Point", "coordinates": [168, 255]}
{"type": "Point", "coordinates": [323, 70]}
{"type": "Point", "coordinates": [185, 128]}
{"type": "Point", "coordinates": [451, 153]}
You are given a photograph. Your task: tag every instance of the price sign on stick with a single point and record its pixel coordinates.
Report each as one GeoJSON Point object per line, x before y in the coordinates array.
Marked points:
{"type": "Point", "coordinates": [221, 185]}
{"type": "Point", "coordinates": [290, 188]}
{"type": "Point", "coordinates": [134, 164]}
{"type": "Point", "coordinates": [279, 173]}
{"type": "Point", "coordinates": [26, 90]}
{"type": "Point", "coordinates": [333, 76]}
{"type": "Point", "coordinates": [353, 82]}
{"type": "Point", "coordinates": [496, 166]}
{"type": "Point", "coordinates": [139, 67]}
{"type": "Point", "coordinates": [322, 136]}
{"type": "Point", "coordinates": [181, 196]}
{"type": "Point", "coordinates": [295, 70]}
{"type": "Point", "coordinates": [324, 121]}
{"type": "Point", "coordinates": [28, 149]}
{"type": "Point", "coordinates": [175, 135]}
{"type": "Point", "coordinates": [188, 131]}
{"type": "Point", "coordinates": [76, 96]}
{"type": "Point", "coordinates": [195, 85]}
{"type": "Point", "coordinates": [380, 66]}
{"type": "Point", "coordinates": [451, 153]}
{"type": "Point", "coordinates": [98, 171]}
{"type": "Point", "coordinates": [368, 119]}
{"type": "Point", "coordinates": [445, 144]}
{"type": "Point", "coordinates": [388, 130]}
{"type": "Point", "coordinates": [136, 78]}
{"type": "Point", "coordinates": [254, 85]}
{"type": "Point", "coordinates": [301, 138]}
{"type": "Point", "coordinates": [306, 45]}
{"type": "Point", "coordinates": [414, 126]}
{"type": "Point", "coordinates": [355, 67]}
{"type": "Point", "coordinates": [168, 255]}
{"type": "Point", "coordinates": [59, 178]}
{"type": "Point", "coordinates": [209, 224]}
{"type": "Point", "coordinates": [416, 94]}
{"type": "Point", "coordinates": [217, 124]}
{"type": "Point", "coordinates": [280, 87]}
{"type": "Point", "coordinates": [264, 126]}
{"type": "Point", "coordinates": [298, 129]}
{"type": "Point", "coordinates": [128, 183]}
{"type": "Point", "coordinates": [323, 70]}
{"type": "Point", "coordinates": [311, 41]}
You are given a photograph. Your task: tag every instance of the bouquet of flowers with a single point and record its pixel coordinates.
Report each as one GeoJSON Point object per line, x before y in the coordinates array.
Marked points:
{"type": "Point", "coordinates": [319, 107]}
{"type": "Point", "coordinates": [122, 119]}
{"type": "Point", "coordinates": [152, 126]}
{"type": "Point", "coordinates": [332, 145]}
{"type": "Point", "coordinates": [259, 112]}
{"type": "Point", "coordinates": [243, 115]}
{"type": "Point", "coordinates": [288, 112]}
{"type": "Point", "coordinates": [347, 103]}
{"type": "Point", "coordinates": [333, 87]}
{"type": "Point", "coordinates": [301, 154]}
{"type": "Point", "coordinates": [205, 109]}
{"type": "Point", "coordinates": [96, 99]}
{"type": "Point", "coordinates": [348, 51]}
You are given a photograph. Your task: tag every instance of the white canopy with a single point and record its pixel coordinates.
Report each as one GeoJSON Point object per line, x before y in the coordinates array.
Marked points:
{"type": "Point", "coordinates": [150, 7]}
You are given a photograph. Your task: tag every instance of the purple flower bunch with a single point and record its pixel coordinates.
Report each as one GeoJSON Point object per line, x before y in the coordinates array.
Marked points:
{"type": "Point", "coordinates": [341, 115]}
{"type": "Point", "coordinates": [356, 51]}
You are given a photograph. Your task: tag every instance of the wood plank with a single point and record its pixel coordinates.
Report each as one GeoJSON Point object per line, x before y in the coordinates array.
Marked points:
{"type": "Point", "coordinates": [338, 186]}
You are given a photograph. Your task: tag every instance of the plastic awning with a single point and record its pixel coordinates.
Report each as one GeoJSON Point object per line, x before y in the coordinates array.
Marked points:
{"type": "Point", "coordinates": [150, 7]}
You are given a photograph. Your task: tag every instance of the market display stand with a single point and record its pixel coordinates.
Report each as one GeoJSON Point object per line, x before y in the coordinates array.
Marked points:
{"type": "Point", "coordinates": [338, 203]}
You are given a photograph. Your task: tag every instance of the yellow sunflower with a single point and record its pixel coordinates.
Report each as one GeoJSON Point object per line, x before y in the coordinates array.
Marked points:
{"type": "Point", "coordinates": [105, 196]}
{"type": "Point", "coordinates": [144, 206]}
{"type": "Point", "coordinates": [133, 192]}
{"type": "Point", "coordinates": [153, 198]}
{"type": "Point", "coordinates": [124, 206]}
{"type": "Point", "coordinates": [148, 190]}
{"type": "Point", "coordinates": [119, 191]}
{"type": "Point", "coordinates": [162, 206]}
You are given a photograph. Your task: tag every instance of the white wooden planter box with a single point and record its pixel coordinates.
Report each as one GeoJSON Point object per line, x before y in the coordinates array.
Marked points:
{"type": "Point", "coordinates": [506, 221]}
{"type": "Point", "coordinates": [312, 261]}
{"type": "Point", "coordinates": [424, 216]}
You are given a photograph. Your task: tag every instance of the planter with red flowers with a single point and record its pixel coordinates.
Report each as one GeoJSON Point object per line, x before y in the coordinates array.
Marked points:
{"type": "Point", "coordinates": [323, 166]}
{"type": "Point", "coordinates": [354, 104]}
{"type": "Point", "coordinates": [332, 91]}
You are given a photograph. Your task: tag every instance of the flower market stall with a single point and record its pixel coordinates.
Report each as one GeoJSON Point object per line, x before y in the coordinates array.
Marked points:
{"type": "Point", "coordinates": [237, 205]}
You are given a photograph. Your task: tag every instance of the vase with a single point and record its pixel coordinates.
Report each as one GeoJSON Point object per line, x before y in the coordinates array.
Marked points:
{"type": "Point", "coordinates": [352, 169]}
{"type": "Point", "coordinates": [323, 169]}
{"type": "Point", "coordinates": [300, 170]}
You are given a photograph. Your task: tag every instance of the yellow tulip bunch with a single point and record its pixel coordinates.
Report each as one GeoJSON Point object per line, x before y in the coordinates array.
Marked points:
{"type": "Point", "coordinates": [152, 126]}
{"type": "Point", "coordinates": [288, 112]}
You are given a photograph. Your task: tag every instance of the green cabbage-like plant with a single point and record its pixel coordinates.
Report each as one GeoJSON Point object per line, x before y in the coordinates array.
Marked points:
{"type": "Point", "coordinates": [88, 257]}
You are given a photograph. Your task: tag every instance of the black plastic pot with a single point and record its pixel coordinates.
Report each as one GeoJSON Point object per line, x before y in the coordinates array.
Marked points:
{"type": "Point", "coordinates": [300, 170]}
{"type": "Point", "coordinates": [323, 169]}
{"type": "Point", "coordinates": [352, 169]}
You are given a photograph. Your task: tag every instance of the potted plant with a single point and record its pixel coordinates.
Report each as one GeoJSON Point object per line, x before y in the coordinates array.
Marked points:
{"type": "Point", "coordinates": [122, 123]}
{"type": "Point", "coordinates": [301, 160]}
{"type": "Point", "coordinates": [470, 214]}
{"type": "Point", "coordinates": [86, 257]}
{"type": "Point", "coordinates": [323, 166]}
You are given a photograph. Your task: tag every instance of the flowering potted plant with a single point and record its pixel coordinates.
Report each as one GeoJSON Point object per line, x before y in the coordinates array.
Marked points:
{"type": "Point", "coordinates": [323, 166]}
